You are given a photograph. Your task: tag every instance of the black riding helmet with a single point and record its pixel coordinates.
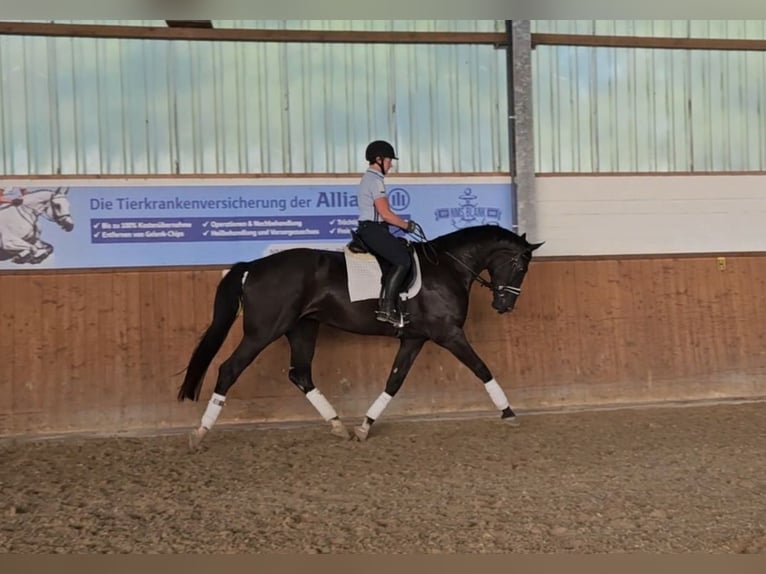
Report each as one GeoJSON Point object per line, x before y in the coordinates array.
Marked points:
{"type": "Point", "coordinates": [379, 148]}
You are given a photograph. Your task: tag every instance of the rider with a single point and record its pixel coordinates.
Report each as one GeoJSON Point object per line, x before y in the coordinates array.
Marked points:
{"type": "Point", "coordinates": [10, 200]}
{"type": "Point", "coordinates": [375, 215]}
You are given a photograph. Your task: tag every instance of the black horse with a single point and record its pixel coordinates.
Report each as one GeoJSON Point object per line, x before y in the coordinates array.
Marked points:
{"type": "Point", "coordinates": [291, 292]}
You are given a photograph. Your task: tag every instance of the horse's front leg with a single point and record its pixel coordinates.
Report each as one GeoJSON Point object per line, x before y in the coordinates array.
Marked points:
{"type": "Point", "coordinates": [408, 351]}
{"type": "Point", "coordinates": [43, 249]}
{"type": "Point", "coordinates": [456, 343]}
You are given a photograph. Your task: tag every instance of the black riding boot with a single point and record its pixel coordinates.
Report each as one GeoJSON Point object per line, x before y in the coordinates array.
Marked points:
{"type": "Point", "coordinates": [387, 304]}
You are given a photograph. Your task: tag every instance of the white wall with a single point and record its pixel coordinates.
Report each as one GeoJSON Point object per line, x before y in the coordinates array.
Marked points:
{"type": "Point", "coordinates": [605, 215]}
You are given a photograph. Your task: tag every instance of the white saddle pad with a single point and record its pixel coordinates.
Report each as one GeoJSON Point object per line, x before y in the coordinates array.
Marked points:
{"type": "Point", "coordinates": [364, 276]}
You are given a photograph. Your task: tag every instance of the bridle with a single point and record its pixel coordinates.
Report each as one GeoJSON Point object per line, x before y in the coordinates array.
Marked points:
{"type": "Point", "coordinates": [498, 289]}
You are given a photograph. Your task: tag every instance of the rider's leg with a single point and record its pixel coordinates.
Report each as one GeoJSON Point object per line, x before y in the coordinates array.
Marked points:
{"type": "Point", "coordinates": [379, 240]}
{"type": "Point", "coordinates": [391, 289]}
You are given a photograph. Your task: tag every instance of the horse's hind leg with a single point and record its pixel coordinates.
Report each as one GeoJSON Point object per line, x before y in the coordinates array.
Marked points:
{"type": "Point", "coordinates": [302, 339]}
{"type": "Point", "coordinates": [228, 373]}
{"type": "Point", "coordinates": [23, 251]}
{"type": "Point", "coordinates": [405, 357]}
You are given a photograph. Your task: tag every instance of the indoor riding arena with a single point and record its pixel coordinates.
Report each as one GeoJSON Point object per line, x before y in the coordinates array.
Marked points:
{"type": "Point", "coordinates": [141, 160]}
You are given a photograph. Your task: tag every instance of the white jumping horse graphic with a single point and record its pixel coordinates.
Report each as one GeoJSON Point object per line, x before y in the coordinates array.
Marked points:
{"type": "Point", "coordinates": [20, 231]}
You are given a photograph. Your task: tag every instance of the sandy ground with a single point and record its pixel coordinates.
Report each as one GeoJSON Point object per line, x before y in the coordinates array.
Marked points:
{"type": "Point", "coordinates": [648, 480]}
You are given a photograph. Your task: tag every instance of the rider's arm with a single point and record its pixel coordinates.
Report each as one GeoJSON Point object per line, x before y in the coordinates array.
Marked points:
{"type": "Point", "coordinates": [384, 209]}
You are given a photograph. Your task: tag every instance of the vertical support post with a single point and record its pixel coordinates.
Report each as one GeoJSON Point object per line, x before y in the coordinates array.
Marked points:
{"type": "Point", "coordinates": [521, 125]}
{"type": "Point", "coordinates": [511, 121]}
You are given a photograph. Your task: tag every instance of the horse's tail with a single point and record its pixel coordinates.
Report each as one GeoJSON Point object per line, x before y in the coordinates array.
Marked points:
{"type": "Point", "coordinates": [225, 308]}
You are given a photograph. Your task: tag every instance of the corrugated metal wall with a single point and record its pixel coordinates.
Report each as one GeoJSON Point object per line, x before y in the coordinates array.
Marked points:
{"type": "Point", "coordinates": [368, 25]}
{"type": "Point", "coordinates": [90, 106]}
{"type": "Point", "coordinates": [753, 29]}
{"type": "Point", "coordinates": [95, 106]}
{"type": "Point", "coordinates": [646, 110]}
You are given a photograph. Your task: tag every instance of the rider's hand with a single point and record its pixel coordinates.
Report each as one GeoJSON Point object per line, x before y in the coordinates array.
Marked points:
{"type": "Point", "coordinates": [411, 226]}
{"type": "Point", "coordinates": [17, 201]}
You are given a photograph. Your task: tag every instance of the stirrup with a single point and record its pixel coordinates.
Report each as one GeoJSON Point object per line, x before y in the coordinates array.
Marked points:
{"type": "Point", "coordinates": [397, 319]}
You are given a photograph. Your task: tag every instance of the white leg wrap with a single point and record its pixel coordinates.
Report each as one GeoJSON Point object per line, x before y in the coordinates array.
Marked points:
{"type": "Point", "coordinates": [321, 404]}
{"type": "Point", "coordinates": [212, 411]}
{"type": "Point", "coordinates": [379, 405]}
{"type": "Point", "coordinates": [496, 394]}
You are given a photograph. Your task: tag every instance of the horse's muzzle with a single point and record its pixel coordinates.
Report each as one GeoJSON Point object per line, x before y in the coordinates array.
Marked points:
{"type": "Point", "coordinates": [503, 307]}
{"type": "Point", "coordinates": [67, 224]}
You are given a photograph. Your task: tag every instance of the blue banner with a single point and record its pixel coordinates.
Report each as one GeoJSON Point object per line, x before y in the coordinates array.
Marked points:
{"type": "Point", "coordinates": [141, 226]}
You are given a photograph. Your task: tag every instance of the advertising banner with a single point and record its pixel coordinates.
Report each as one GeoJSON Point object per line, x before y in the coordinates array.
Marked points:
{"type": "Point", "coordinates": [140, 224]}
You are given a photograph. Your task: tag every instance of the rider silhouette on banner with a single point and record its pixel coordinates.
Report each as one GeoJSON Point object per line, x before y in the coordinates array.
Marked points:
{"type": "Point", "coordinates": [5, 200]}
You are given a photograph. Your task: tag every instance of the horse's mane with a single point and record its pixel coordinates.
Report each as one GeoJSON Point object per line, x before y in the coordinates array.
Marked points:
{"type": "Point", "coordinates": [40, 190]}
{"type": "Point", "coordinates": [476, 234]}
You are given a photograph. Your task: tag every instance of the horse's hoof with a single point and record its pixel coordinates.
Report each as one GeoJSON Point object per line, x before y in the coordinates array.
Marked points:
{"type": "Point", "coordinates": [361, 433]}
{"type": "Point", "coordinates": [509, 416]}
{"type": "Point", "coordinates": [512, 421]}
{"type": "Point", "coordinates": [195, 439]}
{"type": "Point", "coordinates": [340, 431]}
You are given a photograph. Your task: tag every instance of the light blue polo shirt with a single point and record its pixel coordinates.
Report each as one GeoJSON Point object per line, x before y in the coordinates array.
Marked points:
{"type": "Point", "coordinates": [371, 187]}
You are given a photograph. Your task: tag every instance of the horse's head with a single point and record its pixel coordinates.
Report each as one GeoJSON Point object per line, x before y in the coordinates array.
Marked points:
{"type": "Point", "coordinates": [507, 265]}
{"type": "Point", "coordinates": [51, 204]}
